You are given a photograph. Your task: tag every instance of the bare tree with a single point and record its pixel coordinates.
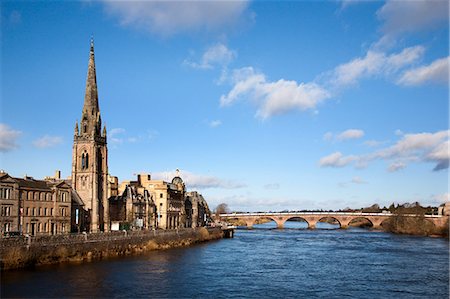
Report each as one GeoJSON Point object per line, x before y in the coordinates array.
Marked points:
{"type": "Point", "coordinates": [222, 209]}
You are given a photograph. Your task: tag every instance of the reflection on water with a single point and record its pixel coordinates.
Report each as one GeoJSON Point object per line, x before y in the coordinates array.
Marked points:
{"type": "Point", "coordinates": [263, 262]}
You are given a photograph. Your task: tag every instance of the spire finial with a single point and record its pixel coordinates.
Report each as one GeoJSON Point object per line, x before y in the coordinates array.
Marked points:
{"type": "Point", "coordinates": [92, 42]}
{"type": "Point", "coordinates": [177, 172]}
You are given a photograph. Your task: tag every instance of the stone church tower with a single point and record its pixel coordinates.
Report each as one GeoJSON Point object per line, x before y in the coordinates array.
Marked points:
{"type": "Point", "coordinates": [90, 155]}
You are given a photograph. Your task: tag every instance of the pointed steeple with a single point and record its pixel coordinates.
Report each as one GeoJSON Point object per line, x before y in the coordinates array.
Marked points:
{"type": "Point", "coordinates": [91, 110]}
{"type": "Point", "coordinates": [76, 129]}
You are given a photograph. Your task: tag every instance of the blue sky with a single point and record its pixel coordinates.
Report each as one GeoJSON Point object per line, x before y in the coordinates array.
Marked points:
{"type": "Point", "coordinates": [262, 105]}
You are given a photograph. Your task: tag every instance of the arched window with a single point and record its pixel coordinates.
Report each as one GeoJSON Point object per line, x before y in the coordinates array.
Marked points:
{"type": "Point", "coordinates": [83, 161]}
{"type": "Point", "coordinates": [86, 161]}
{"type": "Point", "coordinates": [84, 128]}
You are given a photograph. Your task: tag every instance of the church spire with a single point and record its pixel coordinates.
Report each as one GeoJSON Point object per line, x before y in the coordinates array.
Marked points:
{"type": "Point", "coordinates": [91, 110]}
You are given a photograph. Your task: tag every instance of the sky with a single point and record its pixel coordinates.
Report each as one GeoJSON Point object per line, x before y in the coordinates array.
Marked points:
{"type": "Point", "coordinates": [263, 105]}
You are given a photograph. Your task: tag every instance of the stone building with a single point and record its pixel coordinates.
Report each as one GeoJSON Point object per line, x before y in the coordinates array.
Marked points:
{"type": "Point", "coordinates": [90, 155]}
{"type": "Point", "coordinates": [197, 210]}
{"type": "Point", "coordinates": [133, 208]}
{"type": "Point", "coordinates": [168, 199]}
{"type": "Point", "coordinates": [34, 207]}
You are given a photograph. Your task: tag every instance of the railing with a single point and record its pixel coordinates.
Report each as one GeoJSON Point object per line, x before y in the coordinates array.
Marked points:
{"type": "Point", "coordinates": [320, 213]}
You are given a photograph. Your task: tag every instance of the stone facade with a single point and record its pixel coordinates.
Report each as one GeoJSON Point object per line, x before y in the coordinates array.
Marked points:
{"type": "Point", "coordinates": [197, 210]}
{"type": "Point", "coordinates": [133, 209]}
{"type": "Point", "coordinates": [34, 207]}
{"type": "Point", "coordinates": [168, 199]}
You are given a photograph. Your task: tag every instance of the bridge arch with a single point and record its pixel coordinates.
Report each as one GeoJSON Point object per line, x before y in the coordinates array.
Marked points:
{"type": "Point", "coordinates": [321, 219]}
{"type": "Point", "coordinates": [279, 222]}
{"type": "Point", "coordinates": [361, 221]}
{"type": "Point", "coordinates": [296, 217]}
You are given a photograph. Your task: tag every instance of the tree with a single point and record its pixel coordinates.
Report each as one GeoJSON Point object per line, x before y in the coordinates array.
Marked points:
{"type": "Point", "coordinates": [222, 209]}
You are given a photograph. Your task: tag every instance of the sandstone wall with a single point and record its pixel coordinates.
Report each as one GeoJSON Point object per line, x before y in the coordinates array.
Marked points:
{"type": "Point", "coordinates": [19, 252]}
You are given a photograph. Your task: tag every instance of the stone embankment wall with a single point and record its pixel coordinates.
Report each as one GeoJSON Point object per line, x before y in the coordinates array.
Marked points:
{"type": "Point", "coordinates": [20, 252]}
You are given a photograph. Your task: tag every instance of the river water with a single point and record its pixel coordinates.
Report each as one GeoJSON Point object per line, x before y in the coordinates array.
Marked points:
{"type": "Point", "coordinates": [258, 263]}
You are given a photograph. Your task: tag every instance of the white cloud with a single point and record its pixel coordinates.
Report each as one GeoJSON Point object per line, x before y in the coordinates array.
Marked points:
{"type": "Point", "coordinates": [273, 98]}
{"type": "Point", "coordinates": [421, 147]}
{"type": "Point", "coordinates": [345, 135]}
{"type": "Point", "coordinates": [437, 71]}
{"type": "Point", "coordinates": [217, 55]}
{"type": "Point", "coordinates": [47, 141]}
{"type": "Point", "coordinates": [171, 17]}
{"type": "Point", "coordinates": [8, 138]}
{"type": "Point", "coordinates": [198, 181]}
{"type": "Point", "coordinates": [350, 134]}
{"type": "Point", "coordinates": [215, 123]}
{"type": "Point", "coordinates": [336, 160]}
{"type": "Point", "coordinates": [115, 135]}
{"type": "Point", "coordinates": [357, 180]}
{"type": "Point", "coordinates": [373, 143]}
{"type": "Point", "coordinates": [411, 16]}
{"type": "Point", "coordinates": [375, 63]}
{"type": "Point", "coordinates": [395, 166]}
{"type": "Point", "coordinates": [328, 136]}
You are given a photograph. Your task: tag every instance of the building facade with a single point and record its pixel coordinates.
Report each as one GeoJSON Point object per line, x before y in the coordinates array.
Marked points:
{"type": "Point", "coordinates": [133, 208]}
{"type": "Point", "coordinates": [34, 207]}
{"type": "Point", "coordinates": [197, 210]}
{"type": "Point", "coordinates": [90, 155]}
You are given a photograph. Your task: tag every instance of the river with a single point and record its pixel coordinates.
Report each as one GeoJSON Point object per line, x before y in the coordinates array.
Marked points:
{"type": "Point", "coordinates": [258, 263]}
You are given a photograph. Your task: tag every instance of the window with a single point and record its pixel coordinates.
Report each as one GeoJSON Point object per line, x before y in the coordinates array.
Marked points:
{"type": "Point", "coordinates": [39, 227]}
{"type": "Point", "coordinates": [51, 212]}
{"type": "Point", "coordinates": [62, 211]}
{"type": "Point", "coordinates": [7, 227]}
{"type": "Point", "coordinates": [84, 160]}
{"type": "Point", "coordinates": [34, 211]}
{"type": "Point", "coordinates": [5, 193]}
{"type": "Point", "coordinates": [63, 227]}
{"type": "Point", "coordinates": [40, 212]}
{"type": "Point", "coordinates": [49, 196]}
{"type": "Point", "coordinates": [45, 212]}
{"type": "Point", "coordinates": [6, 211]}
{"type": "Point", "coordinates": [28, 212]}
{"type": "Point", "coordinates": [36, 196]}
{"type": "Point", "coordinates": [63, 196]}
{"type": "Point", "coordinates": [24, 195]}
{"type": "Point", "coordinates": [30, 195]}
{"type": "Point", "coordinates": [45, 227]}
{"type": "Point", "coordinates": [42, 196]}
{"type": "Point", "coordinates": [160, 195]}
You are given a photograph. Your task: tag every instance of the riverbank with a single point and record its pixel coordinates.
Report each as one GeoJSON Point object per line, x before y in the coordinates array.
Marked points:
{"type": "Point", "coordinates": [21, 252]}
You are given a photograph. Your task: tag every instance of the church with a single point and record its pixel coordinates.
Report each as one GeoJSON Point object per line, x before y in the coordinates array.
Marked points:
{"type": "Point", "coordinates": [91, 200]}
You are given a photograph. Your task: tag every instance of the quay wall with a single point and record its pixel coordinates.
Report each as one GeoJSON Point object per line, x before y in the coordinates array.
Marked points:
{"type": "Point", "coordinates": [20, 252]}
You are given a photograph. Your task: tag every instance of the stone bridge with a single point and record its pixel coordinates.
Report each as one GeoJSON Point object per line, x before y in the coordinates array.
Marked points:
{"type": "Point", "coordinates": [344, 218]}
